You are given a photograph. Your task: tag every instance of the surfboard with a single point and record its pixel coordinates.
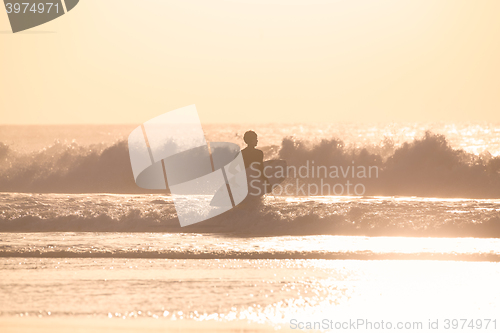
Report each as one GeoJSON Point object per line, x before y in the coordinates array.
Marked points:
{"type": "Point", "coordinates": [275, 171]}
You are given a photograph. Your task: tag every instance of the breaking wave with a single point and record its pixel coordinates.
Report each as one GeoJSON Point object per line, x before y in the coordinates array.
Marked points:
{"type": "Point", "coordinates": [68, 168]}
{"type": "Point", "coordinates": [427, 166]}
{"type": "Point", "coordinates": [381, 216]}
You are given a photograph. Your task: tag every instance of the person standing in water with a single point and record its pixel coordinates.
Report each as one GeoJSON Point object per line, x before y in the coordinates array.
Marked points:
{"type": "Point", "coordinates": [254, 159]}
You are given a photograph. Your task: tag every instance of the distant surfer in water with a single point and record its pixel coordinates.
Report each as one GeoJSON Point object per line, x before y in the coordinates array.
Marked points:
{"type": "Point", "coordinates": [254, 159]}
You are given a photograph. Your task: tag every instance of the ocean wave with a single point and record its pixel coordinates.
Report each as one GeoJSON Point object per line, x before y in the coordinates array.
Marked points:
{"type": "Point", "coordinates": [266, 224]}
{"type": "Point", "coordinates": [427, 166]}
{"type": "Point", "coordinates": [380, 216]}
{"type": "Point", "coordinates": [68, 168]}
{"type": "Point", "coordinates": [364, 255]}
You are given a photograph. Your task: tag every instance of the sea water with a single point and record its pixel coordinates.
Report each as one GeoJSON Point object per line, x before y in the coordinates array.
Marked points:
{"type": "Point", "coordinates": [78, 240]}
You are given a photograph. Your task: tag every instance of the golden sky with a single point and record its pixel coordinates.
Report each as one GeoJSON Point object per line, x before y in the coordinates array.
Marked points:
{"type": "Point", "coordinates": [125, 61]}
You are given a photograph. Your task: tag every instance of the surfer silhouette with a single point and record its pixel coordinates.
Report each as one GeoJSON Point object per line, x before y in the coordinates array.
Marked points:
{"type": "Point", "coordinates": [253, 158]}
{"type": "Point", "coordinates": [258, 183]}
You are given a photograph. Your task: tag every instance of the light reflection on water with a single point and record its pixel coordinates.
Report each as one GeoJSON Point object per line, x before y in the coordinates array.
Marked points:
{"type": "Point", "coordinates": [154, 244]}
{"type": "Point", "coordinates": [256, 290]}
